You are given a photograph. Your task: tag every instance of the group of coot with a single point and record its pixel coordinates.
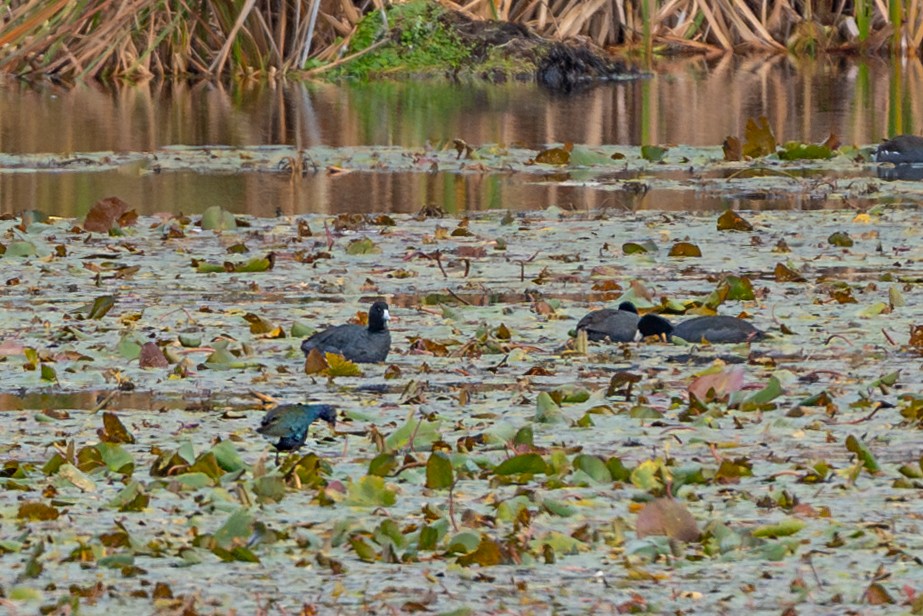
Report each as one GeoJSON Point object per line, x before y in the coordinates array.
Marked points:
{"type": "Point", "coordinates": [624, 325]}
{"type": "Point", "coordinates": [289, 423]}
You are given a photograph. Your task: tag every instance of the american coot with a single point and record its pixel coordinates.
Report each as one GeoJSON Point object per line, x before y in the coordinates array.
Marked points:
{"type": "Point", "coordinates": [716, 330]}
{"type": "Point", "coordinates": [290, 423]}
{"type": "Point", "coordinates": [356, 343]}
{"type": "Point", "coordinates": [902, 149]}
{"type": "Point", "coordinates": [617, 325]}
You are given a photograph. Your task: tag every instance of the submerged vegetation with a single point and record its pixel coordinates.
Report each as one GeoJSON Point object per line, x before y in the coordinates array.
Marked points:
{"type": "Point", "coordinates": [139, 38]}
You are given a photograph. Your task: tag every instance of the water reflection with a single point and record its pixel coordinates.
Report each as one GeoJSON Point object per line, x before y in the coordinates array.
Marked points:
{"type": "Point", "coordinates": [72, 194]}
{"type": "Point", "coordinates": [695, 101]}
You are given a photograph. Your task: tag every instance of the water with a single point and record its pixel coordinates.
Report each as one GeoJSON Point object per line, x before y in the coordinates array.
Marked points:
{"type": "Point", "coordinates": [691, 101]}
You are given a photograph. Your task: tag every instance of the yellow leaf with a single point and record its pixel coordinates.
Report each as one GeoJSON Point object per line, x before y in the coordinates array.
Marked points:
{"type": "Point", "coordinates": [340, 366]}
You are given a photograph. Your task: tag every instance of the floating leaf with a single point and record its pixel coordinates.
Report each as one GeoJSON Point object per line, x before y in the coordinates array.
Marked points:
{"type": "Point", "coordinates": [20, 249]}
{"type": "Point", "coordinates": [716, 384]}
{"type": "Point", "coordinates": [732, 221]}
{"type": "Point", "coordinates": [115, 457]}
{"type": "Point", "coordinates": [558, 508]}
{"type": "Point", "coordinates": [916, 337]}
{"type": "Point", "coordinates": [364, 548]}
{"type": "Point", "coordinates": [739, 288]}
{"type": "Point", "coordinates": [204, 267]}
{"type": "Point", "coordinates": [876, 594]}
{"type": "Point", "coordinates": [217, 219]}
{"type": "Point", "coordinates": [546, 410]}
{"type": "Point", "coordinates": [48, 373]}
{"type": "Point", "coordinates": [257, 264]}
{"type": "Point", "coordinates": [37, 511]}
{"type": "Point", "coordinates": [362, 246]}
{"type": "Point", "coordinates": [524, 437]}
{"type": "Point", "coordinates": [439, 475]}
{"type": "Point", "coordinates": [370, 491]}
{"type": "Point", "coordinates": [109, 213]}
{"type": "Point", "coordinates": [653, 153]}
{"type": "Point", "coordinates": [258, 324]}
{"type": "Point", "coordinates": [235, 531]}
{"type": "Point", "coordinates": [785, 528]}
{"type": "Point", "coordinates": [487, 554]}
{"type": "Point", "coordinates": [553, 156]}
{"type": "Point", "coordinates": [75, 477]}
{"type": "Point", "coordinates": [665, 516]}
{"type": "Point", "coordinates": [423, 433]}
{"type": "Point", "coordinates": [227, 457]}
{"type": "Point", "coordinates": [527, 463]}
{"type": "Point", "coordinates": [113, 430]}
{"type": "Point", "coordinates": [150, 356]}
{"type": "Point", "coordinates": [130, 498]}
{"type": "Point", "coordinates": [464, 542]}
{"type": "Point", "coordinates": [337, 365]}
{"type": "Point", "coordinates": [594, 467]}
{"type": "Point", "coordinates": [585, 157]}
{"type": "Point", "coordinates": [764, 396]}
{"type": "Point", "coordinates": [633, 248]}
{"type": "Point", "coordinates": [861, 450]}
{"type": "Point", "coordinates": [895, 298]}
{"type": "Point", "coordinates": [873, 310]}
{"type": "Point", "coordinates": [270, 488]}
{"type": "Point", "coordinates": [315, 362]}
{"type": "Point", "coordinates": [732, 149]}
{"type": "Point", "coordinates": [840, 238]}
{"type": "Point", "coordinates": [383, 464]}
{"type": "Point", "coordinates": [794, 150]}
{"type": "Point", "coordinates": [685, 249]}
{"type": "Point", "coordinates": [759, 139]}
{"type": "Point", "coordinates": [100, 307]}
{"type": "Point", "coordinates": [784, 273]}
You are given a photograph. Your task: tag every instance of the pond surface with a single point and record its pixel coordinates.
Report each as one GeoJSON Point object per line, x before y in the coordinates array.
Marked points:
{"type": "Point", "coordinates": [692, 101]}
{"type": "Point", "coordinates": [494, 457]}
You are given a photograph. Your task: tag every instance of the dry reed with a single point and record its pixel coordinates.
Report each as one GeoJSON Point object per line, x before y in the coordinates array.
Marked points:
{"type": "Point", "coordinates": [133, 39]}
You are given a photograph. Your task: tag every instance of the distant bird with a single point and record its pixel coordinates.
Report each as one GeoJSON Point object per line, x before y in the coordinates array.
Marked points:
{"type": "Point", "coordinates": [716, 330]}
{"type": "Point", "coordinates": [902, 149]}
{"type": "Point", "coordinates": [290, 423]}
{"type": "Point", "coordinates": [364, 345]}
{"type": "Point", "coordinates": [617, 325]}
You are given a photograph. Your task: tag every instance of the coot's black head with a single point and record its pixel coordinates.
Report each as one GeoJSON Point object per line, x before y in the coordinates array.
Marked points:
{"type": "Point", "coordinates": [628, 307]}
{"type": "Point", "coordinates": [378, 317]}
{"type": "Point", "coordinates": [654, 325]}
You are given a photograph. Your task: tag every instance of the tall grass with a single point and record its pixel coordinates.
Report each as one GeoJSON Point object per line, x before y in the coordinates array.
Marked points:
{"type": "Point", "coordinates": [133, 39]}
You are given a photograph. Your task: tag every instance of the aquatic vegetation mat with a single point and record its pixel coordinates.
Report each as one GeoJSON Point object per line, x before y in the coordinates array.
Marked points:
{"type": "Point", "coordinates": [495, 463]}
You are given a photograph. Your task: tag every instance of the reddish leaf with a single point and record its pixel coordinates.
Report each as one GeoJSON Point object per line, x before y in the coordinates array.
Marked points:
{"type": "Point", "coordinates": [108, 213]}
{"type": "Point", "coordinates": [152, 357]}
{"type": "Point", "coordinates": [666, 516]}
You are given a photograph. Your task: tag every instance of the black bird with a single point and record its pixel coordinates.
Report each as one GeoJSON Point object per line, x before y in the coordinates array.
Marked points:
{"type": "Point", "coordinates": [716, 330]}
{"type": "Point", "coordinates": [902, 149]}
{"type": "Point", "coordinates": [290, 423]}
{"type": "Point", "coordinates": [356, 343]}
{"type": "Point", "coordinates": [617, 325]}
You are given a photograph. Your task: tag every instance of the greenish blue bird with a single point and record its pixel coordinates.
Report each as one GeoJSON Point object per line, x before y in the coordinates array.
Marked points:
{"type": "Point", "coordinates": [290, 422]}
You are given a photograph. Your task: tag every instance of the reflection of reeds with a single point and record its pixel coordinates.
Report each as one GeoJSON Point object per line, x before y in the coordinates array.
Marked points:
{"type": "Point", "coordinates": [803, 99]}
{"type": "Point", "coordinates": [136, 38]}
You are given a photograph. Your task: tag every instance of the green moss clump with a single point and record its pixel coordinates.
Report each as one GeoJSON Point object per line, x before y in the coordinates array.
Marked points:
{"type": "Point", "coordinates": [421, 43]}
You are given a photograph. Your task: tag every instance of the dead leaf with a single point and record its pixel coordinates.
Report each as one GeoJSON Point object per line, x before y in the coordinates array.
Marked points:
{"type": "Point", "coordinates": [315, 362]}
{"type": "Point", "coordinates": [732, 221]}
{"type": "Point", "coordinates": [109, 213]}
{"type": "Point", "coordinates": [732, 149]}
{"type": "Point", "coordinates": [152, 357]}
{"type": "Point", "coordinates": [665, 516]}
